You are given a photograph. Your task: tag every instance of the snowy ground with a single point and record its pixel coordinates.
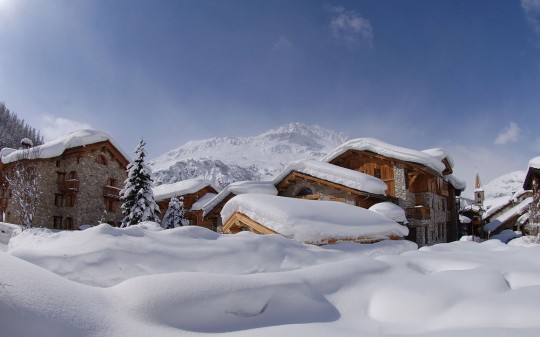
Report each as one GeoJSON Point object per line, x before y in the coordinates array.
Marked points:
{"type": "Point", "coordinates": [144, 281]}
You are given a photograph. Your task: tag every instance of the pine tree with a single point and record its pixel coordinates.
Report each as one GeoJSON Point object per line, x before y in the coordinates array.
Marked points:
{"type": "Point", "coordinates": [137, 198]}
{"type": "Point", "coordinates": [175, 215]}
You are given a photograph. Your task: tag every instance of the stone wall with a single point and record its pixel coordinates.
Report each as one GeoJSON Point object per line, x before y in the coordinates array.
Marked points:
{"type": "Point", "coordinates": [89, 202]}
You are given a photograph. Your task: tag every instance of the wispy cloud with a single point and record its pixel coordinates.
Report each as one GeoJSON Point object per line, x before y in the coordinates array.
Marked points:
{"type": "Point", "coordinates": [350, 26]}
{"type": "Point", "coordinates": [53, 127]}
{"type": "Point", "coordinates": [282, 43]}
{"type": "Point", "coordinates": [511, 133]}
{"type": "Point", "coordinates": [532, 13]}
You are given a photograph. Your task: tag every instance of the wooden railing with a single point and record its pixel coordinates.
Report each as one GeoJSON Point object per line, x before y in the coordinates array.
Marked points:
{"type": "Point", "coordinates": [71, 185]}
{"type": "Point", "coordinates": [421, 199]}
{"type": "Point", "coordinates": [419, 213]}
{"type": "Point", "coordinates": [111, 192]}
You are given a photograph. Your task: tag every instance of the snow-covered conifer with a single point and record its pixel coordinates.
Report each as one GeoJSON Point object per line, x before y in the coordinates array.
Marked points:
{"type": "Point", "coordinates": [534, 212]}
{"type": "Point", "coordinates": [175, 215]}
{"type": "Point", "coordinates": [137, 198]}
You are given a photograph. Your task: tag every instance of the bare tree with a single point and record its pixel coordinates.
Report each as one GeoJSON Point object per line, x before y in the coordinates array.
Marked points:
{"type": "Point", "coordinates": [24, 179]}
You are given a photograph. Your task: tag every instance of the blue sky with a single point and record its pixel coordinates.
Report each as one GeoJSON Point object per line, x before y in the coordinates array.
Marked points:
{"type": "Point", "coordinates": [460, 74]}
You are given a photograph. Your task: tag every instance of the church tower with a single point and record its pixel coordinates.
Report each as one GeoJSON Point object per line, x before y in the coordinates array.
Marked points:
{"type": "Point", "coordinates": [478, 191]}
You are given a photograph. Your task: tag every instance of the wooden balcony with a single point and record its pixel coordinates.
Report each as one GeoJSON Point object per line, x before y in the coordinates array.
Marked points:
{"type": "Point", "coordinates": [71, 185]}
{"type": "Point", "coordinates": [111, 192]}
{"type": "Point", "coordinates": [421, 199]}
{"type": "Point", "coordinates": [419, 213]}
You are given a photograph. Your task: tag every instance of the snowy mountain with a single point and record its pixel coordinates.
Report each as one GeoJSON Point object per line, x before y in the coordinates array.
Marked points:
{"type": "Point", "coordinates": [229, 159]}
{"type": "Point", "coordinates": [505, 185]}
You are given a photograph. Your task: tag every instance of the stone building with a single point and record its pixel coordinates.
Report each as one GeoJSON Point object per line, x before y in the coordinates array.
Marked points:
{"type": "Point", "coordinates": [421, 182]}
{"type": "Point", "coordinates": [80, 177]}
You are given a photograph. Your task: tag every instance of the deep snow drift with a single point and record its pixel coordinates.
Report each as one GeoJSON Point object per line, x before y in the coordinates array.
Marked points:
{"type": "Point", "coordinates": [144, 281]}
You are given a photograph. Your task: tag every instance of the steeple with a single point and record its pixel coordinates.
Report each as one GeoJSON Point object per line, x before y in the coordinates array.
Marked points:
{"type": "Point", "coordinates": [478, 191]}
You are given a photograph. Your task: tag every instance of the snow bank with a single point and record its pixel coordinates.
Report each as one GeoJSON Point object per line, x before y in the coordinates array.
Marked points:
{"type": "Point", "coordinates": [339, 175]}
{"type": "Point", "coordinates": [193, 282]}
{"type": "Point", "coordinates": [313, 221]}
{"type": "Point", "coordinates": [56, 147]}
{"type": "Point", "coordinates": [241, 187]}
{"type": "Point", "coordinates": [390, 210]}
{"type": "Point", "coordinates": [387, 150]}
{"type": "Point", "coordinates": [167, 191]}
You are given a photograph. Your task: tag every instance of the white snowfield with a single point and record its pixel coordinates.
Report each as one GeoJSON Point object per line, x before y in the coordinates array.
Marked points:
{"type": "Point", "coordinates": [189, 281]}
{"type": "Point", "coordinates": [56, 147]}
{"type": "Point", "coordinates": [311, 221]}
{"type": "Point", "coordinates": [167, 191]}
{"type": "Point", "coordinates": [240, 187]}
{"type": "Point", "coordinates": [339, 175]}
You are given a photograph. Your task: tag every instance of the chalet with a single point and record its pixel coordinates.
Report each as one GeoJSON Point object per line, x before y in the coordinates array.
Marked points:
{"type": "Point", "coordinates": [80, 176]}
{"type": "Point", "coordinates": [209, 213]}
{"type": "Point", "coordinates": [533, 172]}
{"type": "Point", "coordinates": [306, 221]}
{"type": "Point", "coordinates": [421, 182]}
{"type": "Point", "coordinates": [316, 180]}
{"type": "Point", "coordinates": [193, 192]}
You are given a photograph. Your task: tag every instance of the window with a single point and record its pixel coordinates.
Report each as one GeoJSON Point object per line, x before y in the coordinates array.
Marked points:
{"type": "Point", "coordinates": [57, 222]}
{"type": "Point", "coordinates": [110, 205]}
{"type": "Point", "coordinates": [377, 173]}
{"type": "Point", "coordinates": [69, 223]}
{"type": "Point", "coordinates": [112, 182]}
{"type": "Point", "coordinates": [72, 175]}
{"type": "Point", "coordinates": [59, 200]}
{"type": "Point", "coordinates": [60, 176]}
{"type": "Point", "coordinates": [70, 200]}
{"type": "Point", "coordinates": [58, 163]}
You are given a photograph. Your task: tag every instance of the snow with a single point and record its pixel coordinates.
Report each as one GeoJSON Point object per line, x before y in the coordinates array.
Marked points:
{"type": "Point", "coordinates": [505, 236]}
{"type": "Point", "coordinates": [388, 150]}
{"type": "Point", "coordinates": [188, 281]}
{"type": "Point", "coordinates": [456, 182]}
{"type": "Point", "coordinates": [202, 201]}
{"type": "Point", "coordinates": [240, 187]}
{"type": "Point", "coordinates": [56, 147]}
{"type": "Point", "coordinates": [167, 191]}
{"type": "Point", "coordinates": [7, 230]}
{"type": "Point", "coordinates": [390, 210]}
{"type": "Point", "coordinates": [464, 219]}
{"type": "Point", "coordinates": [535, 163]}
{"type": "Point", "coordinates": [441, 154]}
{"type": "Point", "coordinates": [500, 220]}
{"type": "Point", "coordinates": [339, 175]}
{"type": "Point", "coordinates": [313, 221]}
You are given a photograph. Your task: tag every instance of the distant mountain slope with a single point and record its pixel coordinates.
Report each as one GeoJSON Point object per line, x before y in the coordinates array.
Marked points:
{"type": "Point", "coordinates": [505, 185]}
{"type": "Point", "coordinates": [228, 159]}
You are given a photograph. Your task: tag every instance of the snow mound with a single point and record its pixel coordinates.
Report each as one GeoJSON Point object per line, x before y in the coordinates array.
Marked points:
{"type": "Point", "coordinates": [390, 210]}
{"type": "Point", "coordinates": [311, 221]}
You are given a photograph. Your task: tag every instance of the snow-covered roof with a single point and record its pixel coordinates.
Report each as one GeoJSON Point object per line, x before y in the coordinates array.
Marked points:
{"type": "Point", "coordinates": [464, 219]}
{"type": "Point", "coordinates": [456, 182]}
{"type": "Point", "coordinates": [503, 218]}
{"type": "Point", "coordinates": [56, 147]}
{"type": "Point", "coordinates": [535, 163]}
{"type": "Point", "coordinates": [167, 191]}
{"type": "Point", "coordinates": [391, 211]}
{"type": "Point", "coordinates": [202, 201]}
{"type": "Point", "coordinates": [440, 154]}
{"type": "Point", "coordinates": [339, 175]}
{"type": "Point", "coordinates": [240, 187]}
{"type": "Point", "coordinates": [388, 150]}
{"type": "Point", "coordinates": [311, 221]}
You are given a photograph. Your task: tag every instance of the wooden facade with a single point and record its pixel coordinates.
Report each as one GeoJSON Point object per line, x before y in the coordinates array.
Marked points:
{"type": "Point", "coordinates": [189, 199]}
{"type": "Point", "coordinates": [427, 198]}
